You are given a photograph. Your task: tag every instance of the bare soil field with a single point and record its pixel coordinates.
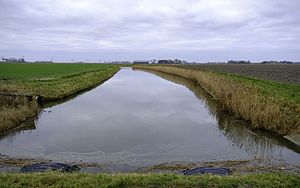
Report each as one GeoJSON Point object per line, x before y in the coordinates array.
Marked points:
{"type": "Point", "coordinates": [281, 73]}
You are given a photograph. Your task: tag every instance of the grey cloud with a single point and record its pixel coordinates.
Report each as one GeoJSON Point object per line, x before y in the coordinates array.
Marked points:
{"type": "Point", "coordinates": [198, 30]}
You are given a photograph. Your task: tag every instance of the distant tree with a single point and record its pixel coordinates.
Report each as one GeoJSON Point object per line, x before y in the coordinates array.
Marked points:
{"type": "Point", "coordinates": [238, 62]}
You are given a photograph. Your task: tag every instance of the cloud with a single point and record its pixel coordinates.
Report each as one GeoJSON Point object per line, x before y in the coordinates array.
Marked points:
{"type": "Point", "coordinates": [185, 28]}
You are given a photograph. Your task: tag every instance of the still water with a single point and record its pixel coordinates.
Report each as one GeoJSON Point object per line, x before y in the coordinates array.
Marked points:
{"type": "Point", "coordinates": [138, 119]}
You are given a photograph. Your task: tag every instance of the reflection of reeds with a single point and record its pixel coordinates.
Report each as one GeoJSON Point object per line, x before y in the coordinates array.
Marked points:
{"type": "Point", "coordinates": [15, 110]}
{"type": "Point", "coordinates": [211, 104]}
{"type": "Point", "coordinates": [237, 131]}
{"type": "Point", "coordinates": [13, 133]}
{"type": "Point", "coordinates": [262, 111]}
{"type": "Point", "coordinates": [256, 142]}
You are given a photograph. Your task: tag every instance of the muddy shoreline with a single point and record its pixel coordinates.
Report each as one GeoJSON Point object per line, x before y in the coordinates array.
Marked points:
{"type": "Point", "coordinates": [13, 165]}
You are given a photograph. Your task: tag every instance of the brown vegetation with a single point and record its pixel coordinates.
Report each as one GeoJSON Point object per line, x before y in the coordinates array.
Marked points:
{"type": "Point", "coordinates": [263, 111]}
{"type": "Point", "coordinates": [15, 110]}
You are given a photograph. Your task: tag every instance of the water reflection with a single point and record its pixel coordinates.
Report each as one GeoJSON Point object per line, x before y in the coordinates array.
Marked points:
{"type": "Point", "coordinates": [261, 143]}
{"type": "Point", "coordinates": [27, 126]}
{"type": "Point", "coordinates": [138, 119]}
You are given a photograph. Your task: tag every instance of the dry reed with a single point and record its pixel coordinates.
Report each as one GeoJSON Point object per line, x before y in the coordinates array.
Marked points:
{"type": "Point", "coordinates": [15, 110]}
{"type": "Point", "coordinates": [264, 112]}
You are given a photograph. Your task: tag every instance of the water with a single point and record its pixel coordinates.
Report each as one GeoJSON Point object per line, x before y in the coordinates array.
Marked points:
{"type": "Point", "coordinates": [138, 119]}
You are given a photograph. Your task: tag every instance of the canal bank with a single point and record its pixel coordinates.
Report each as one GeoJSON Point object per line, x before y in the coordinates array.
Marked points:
{"type": "Point", "coordinates": [22, 100]}
{"type": "Point", "coordinates": [273, 107]}
{"type": "Point", "coordinates": [138, 119]}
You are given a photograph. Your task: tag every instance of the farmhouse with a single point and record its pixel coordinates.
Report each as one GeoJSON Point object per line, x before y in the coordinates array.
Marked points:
{"type": "Point", "coordinates": [276, 62]}
{"type": "Point", "coordinates": [13, 60]}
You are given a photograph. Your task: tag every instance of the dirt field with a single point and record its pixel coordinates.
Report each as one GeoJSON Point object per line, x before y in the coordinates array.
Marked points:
{"type": "Point", "coordinates": [280, 73]}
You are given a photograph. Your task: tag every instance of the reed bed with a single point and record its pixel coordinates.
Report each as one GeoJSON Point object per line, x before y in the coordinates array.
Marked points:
{"type": "Point", "coordinates": [15, 110]}
{"type": "Point", "coordinates": [263, 111]}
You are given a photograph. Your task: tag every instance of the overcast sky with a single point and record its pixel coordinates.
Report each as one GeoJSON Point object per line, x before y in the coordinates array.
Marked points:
{"type": "Point", "coordinates": [195, 30]}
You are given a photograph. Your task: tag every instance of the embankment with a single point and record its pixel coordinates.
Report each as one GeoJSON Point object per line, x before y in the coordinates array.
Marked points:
{"type": "Point", "coordinates": [275, 111]}
{"type": "Point", "coordinates": [15, 110]}
{"type": "Point", "coordinates": [58, 87]}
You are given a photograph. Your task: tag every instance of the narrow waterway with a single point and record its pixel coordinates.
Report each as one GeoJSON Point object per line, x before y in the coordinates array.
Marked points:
{"type": "Point", "coordinates": [138, 119]}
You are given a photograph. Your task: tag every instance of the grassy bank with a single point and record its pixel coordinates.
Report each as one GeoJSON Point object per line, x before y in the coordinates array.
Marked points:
{"type": "Point", "coordinates": [267, 105]}
{"type": "Point", "coordinates": [50, 81]}
{"type": "Point", "coordinates": [53, 179]}
{"type": "Point", "coordinates": [15, 110]}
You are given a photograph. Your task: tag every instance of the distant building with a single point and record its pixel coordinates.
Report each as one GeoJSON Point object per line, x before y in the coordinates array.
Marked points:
{"type": "Point", "coordinates": [153, 61]}
{"type": "Point", "coordinates": [170, 61]}
{"type": "Point", "coordinates": [269, 62]}
{"type": "Point", "coordinates": [163, 61]}
{"type": "Point", "coordinates": [216, 62]}
{"type": "Point", "coordinates": [140, 62]}
{"type": "Point", "coordinates": [166, 61]}
{"type": "Point", "coordinates": [43, 61]}
{"type": "Point", "coordinates": [13, 60]}
{"type": "Point", "coordinates": [276, 62]}
{"type": "Point", "coordinates": [177, 61]}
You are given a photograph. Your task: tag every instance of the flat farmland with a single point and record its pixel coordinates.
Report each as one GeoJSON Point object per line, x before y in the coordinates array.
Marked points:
{"type": "Point", "coordinates": [281, 73]}
{"type": "Point", "coordinates": [52, 81]}
{"type": "Point", "coordinates": [31, 71]}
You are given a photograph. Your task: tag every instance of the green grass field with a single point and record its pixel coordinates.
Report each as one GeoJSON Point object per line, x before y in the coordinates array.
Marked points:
{"type": "Point", "coordinates": [54, 80]}
{"type": "Point", "coordinates": [286, 92]}
{"type": "Point", "coordinates": [46, 70]}
{"type": "Point", "coordinates": [61, 180]}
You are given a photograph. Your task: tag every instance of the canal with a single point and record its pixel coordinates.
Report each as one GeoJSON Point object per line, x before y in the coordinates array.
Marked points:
{"type": "Point", "coordinates": [139, 119]}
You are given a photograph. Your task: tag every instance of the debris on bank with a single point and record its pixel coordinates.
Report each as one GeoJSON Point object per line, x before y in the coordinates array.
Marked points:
{"type": "Point", "coordinates": [207, 170]}
{"type": "Point", "coordinates": [44, 167]}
